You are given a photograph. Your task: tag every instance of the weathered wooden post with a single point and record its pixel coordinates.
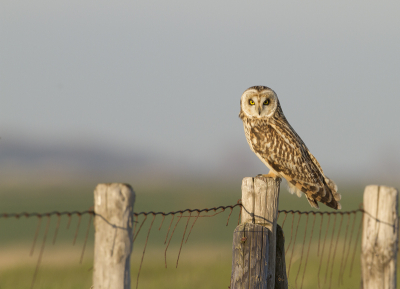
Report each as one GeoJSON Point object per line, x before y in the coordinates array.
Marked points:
{"type": "Point", "coordinates": [254, 240]}
{"type": "Point", "coordinates": [113, 207]}
{"type": "Point", "coordinates": [379, 238]}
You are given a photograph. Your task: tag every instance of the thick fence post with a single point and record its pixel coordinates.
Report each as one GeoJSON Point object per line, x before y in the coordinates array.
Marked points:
{"type": "Point", "coordinates": [379, 238]}
{"type": "Point", "coordinates": [254, 240]}
{"type": "Point", "coordinates": [113, 207]}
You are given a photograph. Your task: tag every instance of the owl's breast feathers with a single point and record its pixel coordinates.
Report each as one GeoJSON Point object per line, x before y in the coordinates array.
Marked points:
{"type": "Point", "coordinates": [279, 146]}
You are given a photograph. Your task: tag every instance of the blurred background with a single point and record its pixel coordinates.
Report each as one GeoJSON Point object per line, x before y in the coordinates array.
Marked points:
{"type": "Point", "coordinates": [147, 93]}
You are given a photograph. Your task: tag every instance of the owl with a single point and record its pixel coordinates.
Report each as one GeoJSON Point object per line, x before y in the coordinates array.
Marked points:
{"type": "Point", "coordinates": [280, 148]}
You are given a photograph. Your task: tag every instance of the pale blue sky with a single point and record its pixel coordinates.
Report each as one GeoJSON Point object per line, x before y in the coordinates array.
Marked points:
{"type": "Point", "coordinates": [165, 77]}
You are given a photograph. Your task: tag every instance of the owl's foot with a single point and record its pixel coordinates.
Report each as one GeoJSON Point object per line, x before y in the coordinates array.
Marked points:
{"type": "Point", "coordinates": [269, 175]}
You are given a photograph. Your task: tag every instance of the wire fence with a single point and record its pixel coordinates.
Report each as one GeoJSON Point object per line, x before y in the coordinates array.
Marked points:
{"type": "Point", "coordinates": [330, 239]}
{"type": "Point", "coordinates": [47, 217]}
{"type": "Point", "coordinates": [332, 227]}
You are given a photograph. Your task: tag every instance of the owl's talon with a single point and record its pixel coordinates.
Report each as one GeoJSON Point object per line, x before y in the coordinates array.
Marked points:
{"type": "Point", "coordinates": [269, 175]}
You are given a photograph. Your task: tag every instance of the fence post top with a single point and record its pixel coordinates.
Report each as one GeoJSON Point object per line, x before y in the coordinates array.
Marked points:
{"type": "Point", "coordinates": [381, 187]}
{"type": "Point", "coordinates": [250, 180]}
{"type": "Point", "coordinates": [114, 185]}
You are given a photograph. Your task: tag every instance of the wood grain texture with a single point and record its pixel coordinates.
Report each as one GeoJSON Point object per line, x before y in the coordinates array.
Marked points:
{"type": "Point", "coordinates": [260, 198]}
{"type": "Point", "coordinates": [266, 214]}
{"type": "Point", "coordinates": [113, 205]}
{"type": "Point", "coordinates": [379, 238]}
{"type": "Point", "coordinates": [250, 257]}
{"type": "Point", "coordinates": [248, 199]}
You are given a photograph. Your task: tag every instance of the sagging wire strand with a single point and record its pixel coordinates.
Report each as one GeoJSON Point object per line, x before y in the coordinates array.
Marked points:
{"type": "Point", "coordinates": [194, 215]}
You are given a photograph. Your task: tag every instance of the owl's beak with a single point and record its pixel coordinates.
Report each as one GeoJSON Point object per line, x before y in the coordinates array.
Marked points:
{"type": "Point", "coordinates": [259, 110]}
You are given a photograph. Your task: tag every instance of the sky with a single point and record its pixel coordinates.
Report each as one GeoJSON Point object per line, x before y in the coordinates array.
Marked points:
{"type": "Point", "coordinates": [161, 80]}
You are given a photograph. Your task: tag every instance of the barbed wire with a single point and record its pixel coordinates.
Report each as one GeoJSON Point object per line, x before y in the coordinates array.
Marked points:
{"type": "Point", "coordinates": [349, 217]}
{"type": "Point", "coordinates": [48, 215]}
{"type": "Point", "coordinates": [334, 240]}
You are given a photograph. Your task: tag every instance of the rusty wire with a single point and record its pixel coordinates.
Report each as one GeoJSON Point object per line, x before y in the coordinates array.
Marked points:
{"type": "Point", "coordinates": [334, 250]}
{"type": "Point", "coordinates": [201, 213]}
{"type": "Point", "coordinates": [330, 249]}
{"type": "Point", "coordinates": [294, 242]}
{"type": "Point", "coordinates": [144, 250]}
{"type": "Point", "coordinates": [187, 213]}
{"type": "Point", "coordinates": [183, 238]}
{"type": "Point", "coordinates": [77, 228]}
{"type": "Point", "coordinates": [41, 252]}
{"type": "Point", "coordinates": [284, 219]}
{"type": "Point", "coordinates": [194, 222]}
{"type": "Point", "coordinates": [320, 231]}
{"type": "Point", "coordinates": [343, 250]}
{"type": "Point", "coordinates": [308, 251]}
{"type": "Point", "coordinates": [86, 238]}
{"type": "Point", "coordinates": [302, 249]}
{"type": "Point", "coordinates": [48, 215]}
{"type": "Point", "coordinates": [348, 250]}
{"type": "Point", "coordinates": [56, 230]}
{"type": "Point", "coordinates": [173, 231]}
{"type": "Point", "coordinates": [291, 235]}
{"type": "Point", "coordinates": [323, 247]}
{"type": "Point", "coordinates": [355, 245]}
{"type": "Point", "coordinates": [39, 215]}
{"type": "Point", "coordinates": [222, 208]}
{"type": "Point", "coordinates": [336, 231]}
{"type": "Point", "coordinates": [36, 234]}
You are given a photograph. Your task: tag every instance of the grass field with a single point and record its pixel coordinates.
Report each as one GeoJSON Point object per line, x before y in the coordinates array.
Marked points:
{"type": "Point", "coordinates": [199, 267]}
{"type": "Point", "coordinates": [205, 261]}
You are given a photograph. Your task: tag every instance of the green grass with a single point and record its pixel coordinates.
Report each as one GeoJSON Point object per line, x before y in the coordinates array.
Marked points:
{"type": "Point", "coordinates": [49, 277]}
{"type": "Point", "coordinates": [205, 261]}
{"type": "Point", "coordinates": [199, 267]}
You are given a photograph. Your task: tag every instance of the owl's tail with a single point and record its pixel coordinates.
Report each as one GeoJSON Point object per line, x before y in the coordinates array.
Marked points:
{"type": "Point", "coordinates": [332, 197]}
{"type": "Point", "coordinates": [325, 193]}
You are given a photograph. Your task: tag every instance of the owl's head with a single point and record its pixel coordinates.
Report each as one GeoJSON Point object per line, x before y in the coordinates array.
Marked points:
{"type": "Point", "coordinates": [258, 102]}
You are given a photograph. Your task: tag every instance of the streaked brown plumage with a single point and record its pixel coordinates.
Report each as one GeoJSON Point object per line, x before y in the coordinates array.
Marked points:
{"type": "Point", "coordinates": [280, 148]}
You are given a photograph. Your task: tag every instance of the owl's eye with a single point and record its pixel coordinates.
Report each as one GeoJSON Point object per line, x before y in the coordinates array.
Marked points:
{"type": "Point", "coordinates": [251, 102]}
{"type": "Point", "coordinates": [266, 102]}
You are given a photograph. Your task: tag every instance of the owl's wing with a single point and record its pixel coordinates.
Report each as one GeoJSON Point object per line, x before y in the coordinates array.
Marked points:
{"type": "Point", "coordinates": [287, 154]}
{"type": "Point", "coordinates": [331, 184]}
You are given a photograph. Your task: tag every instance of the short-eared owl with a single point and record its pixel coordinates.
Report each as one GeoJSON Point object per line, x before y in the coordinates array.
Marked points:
{"type": "Point", "coordinates": [280, 148]}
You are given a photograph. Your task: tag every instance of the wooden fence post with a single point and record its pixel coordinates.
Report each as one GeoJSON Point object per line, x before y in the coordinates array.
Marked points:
{"type": "Point", "coordinates": [254, 240]}
{"type": "Point", "coordinates": [113, 207]}
{"type": "Point", "coordinates": [379, 238]}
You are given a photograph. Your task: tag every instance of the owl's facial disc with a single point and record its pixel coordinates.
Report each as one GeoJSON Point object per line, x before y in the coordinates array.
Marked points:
{"type": "Point", "coordinates": [258, 104]}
